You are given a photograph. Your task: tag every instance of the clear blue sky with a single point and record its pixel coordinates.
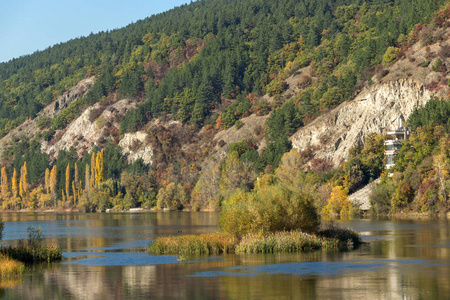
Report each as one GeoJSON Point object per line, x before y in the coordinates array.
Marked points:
{"type": "Point", "coordinates": [30, 25]}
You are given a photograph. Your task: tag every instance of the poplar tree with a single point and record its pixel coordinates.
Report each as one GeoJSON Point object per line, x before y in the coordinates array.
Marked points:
{"type": "Point", "coordinates": [76, 178]}
{"type": "Point", "coordinates": [74, 191]}
{"type": "Point", "coordinates": [23, 181]}
{"type": "Point", "coordinates": [14, 184]}
{"type": "Point", "coordinates": [68, 181]}
{"type": "Point", "coordinates": [87, 180]}
{"type": "Point", "coordinates": [99, 169]}
{"type": "Point", "coordinates": [4, 182]}
{"type": "Point", "coordinates": [47, 181]}
{"type": "Point", "coordinates": [92, 174]}
{"type": "Point", "coordinates": [53, 180]}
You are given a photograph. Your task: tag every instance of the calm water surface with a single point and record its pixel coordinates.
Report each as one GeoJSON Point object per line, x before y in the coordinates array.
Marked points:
{"type": "Point", "coordinates": [104, 259]}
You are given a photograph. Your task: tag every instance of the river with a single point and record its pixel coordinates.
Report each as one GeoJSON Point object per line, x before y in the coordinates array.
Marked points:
{"type": "Point", "coordinates": [104, 259]}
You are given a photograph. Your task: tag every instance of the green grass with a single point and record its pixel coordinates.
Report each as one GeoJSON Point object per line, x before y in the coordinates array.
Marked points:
{"type": "Point", "coordinates": [331, 238]}
{"type": "Point", "coordinates": [29, 254]}
{"type": "Point", "coordinates": [211, 243]}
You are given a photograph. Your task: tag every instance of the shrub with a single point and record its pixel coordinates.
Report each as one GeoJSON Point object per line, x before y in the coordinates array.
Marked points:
{"type": "Point", "coordinates": [239, 124]}
{"type": "Point", "coordinates": [390, 55]}
{"type": "Point", "coordinates": [266, 210]}
{"type": "Point", "coordinates": [44, 122]}
{"type": "Point", "coordinates": [338, 203]}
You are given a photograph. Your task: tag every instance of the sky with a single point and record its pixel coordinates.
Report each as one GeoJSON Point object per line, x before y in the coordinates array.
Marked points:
{"type": "Point", "coordinates": [30, 25]}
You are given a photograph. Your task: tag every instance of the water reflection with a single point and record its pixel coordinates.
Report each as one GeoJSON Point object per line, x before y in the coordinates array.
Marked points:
{"type": "Point", "coordinates": [404, 259]}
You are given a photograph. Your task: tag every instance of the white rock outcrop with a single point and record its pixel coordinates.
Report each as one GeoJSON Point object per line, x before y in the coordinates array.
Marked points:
{"type": "Point", "coordinates": [135, 146]}
{"type": "Point", "coordinates": [375, 109]}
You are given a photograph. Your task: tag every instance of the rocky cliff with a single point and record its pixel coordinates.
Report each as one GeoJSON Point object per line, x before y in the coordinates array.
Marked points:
{"type": "Point", "coordinates": [375, 109]}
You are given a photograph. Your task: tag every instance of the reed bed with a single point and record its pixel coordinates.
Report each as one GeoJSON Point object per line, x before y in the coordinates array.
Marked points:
{"type": "Point", "coordinates": [210, 243]}
{"type": "Point", "coordinates": [279, 242]}
{"type": "Point", "coordinates": [29, 254]}
{"type": "Point", "coordinates": [330, 238]}
{"type": "Point", "coordinates": [10, 267]}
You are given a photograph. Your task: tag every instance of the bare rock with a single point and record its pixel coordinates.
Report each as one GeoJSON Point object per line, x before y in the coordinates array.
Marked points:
{"type": "Point", "coordinates": [376, 109]}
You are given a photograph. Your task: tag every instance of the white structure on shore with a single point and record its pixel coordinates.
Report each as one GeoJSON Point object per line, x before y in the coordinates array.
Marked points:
{"type": "Point", "coordinates": [393, 145]}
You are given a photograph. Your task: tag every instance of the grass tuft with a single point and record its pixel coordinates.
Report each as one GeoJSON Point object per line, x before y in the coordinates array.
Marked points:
{"type": "Point", "coordinates": [210, 243]}
{"type": "Point", "coordinates": [29, 254]}
{"type": "Point", "coordinates": [10, 267]}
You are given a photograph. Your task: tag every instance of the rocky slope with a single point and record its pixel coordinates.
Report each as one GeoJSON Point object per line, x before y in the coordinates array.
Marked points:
{"type": "Point", "coordinates": [376, 109]}
{"type": "Point", "coordinates": [85, 132]}
{"type": "Point", "coordinates": [396, 90]}
{"type": "Point", "coordinates": [29, 128]}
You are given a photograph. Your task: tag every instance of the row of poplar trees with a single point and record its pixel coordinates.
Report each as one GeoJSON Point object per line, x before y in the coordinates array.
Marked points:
{"type": "Point", "coordinates": [16, 193]}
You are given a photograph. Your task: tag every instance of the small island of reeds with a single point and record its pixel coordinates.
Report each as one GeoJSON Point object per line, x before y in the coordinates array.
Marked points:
{"type": "Point", "coordinates": [14, 259]}
{"type": "Point", "coordinates": [272, 219]}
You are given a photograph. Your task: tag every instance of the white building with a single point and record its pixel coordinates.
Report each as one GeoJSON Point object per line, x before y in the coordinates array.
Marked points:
{"type": "Point", "coordinates": [394, 145]}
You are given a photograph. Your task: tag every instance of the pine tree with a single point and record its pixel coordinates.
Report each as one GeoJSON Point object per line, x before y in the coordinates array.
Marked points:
{"type": "Point", "coordinates": [14, 184]}
{"type": "Point", "coordinates": [4, 182]}
{"type": "Point", "coordinates": [68, 181]}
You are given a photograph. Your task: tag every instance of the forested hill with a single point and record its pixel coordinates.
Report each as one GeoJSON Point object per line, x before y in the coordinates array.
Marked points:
{"type": "Point", "coordinates": [206, 63]}
{"type": "Point", "coordinates": [242, 43]}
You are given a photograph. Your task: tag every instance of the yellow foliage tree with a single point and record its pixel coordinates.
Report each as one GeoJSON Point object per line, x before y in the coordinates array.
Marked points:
{"type": "Point", "coordinates": [4, 182]}
{"type": "Point", "coordinates": [99, 169]}
{"type": "Point", "coordinates": [92, 178]}
{"type": "Point", "coordinates": [74, 190]}
{"type": "Point", "coordinates": [76, 179]}
{"type": "Point", "coordinates": [338, 202]}
{"type": "Point", "coordinates": [53, 181]}
{"type": "Point", "coordinates": [289, 167]}
{"type": "Point", "coordinates": [23, 183]}
{"type": "Point", "coordinates": [68, 181]}
{"type": "Point", "coordinates": [47, 181]}
{"type": "Point", "coordinates": [87, 180]}
{"type": "Point", "coordinates": [14, 187]}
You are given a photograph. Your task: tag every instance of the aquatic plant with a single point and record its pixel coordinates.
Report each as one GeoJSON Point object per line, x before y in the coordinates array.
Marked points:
{"type": "Point", "coordinates": [210, 243]}
{"type": "Point", "coordinates": [31, 250]}
{"type": "Point", "coordinates": [329, 238]}
{"type": "Point", "coordinates": [10, 267]}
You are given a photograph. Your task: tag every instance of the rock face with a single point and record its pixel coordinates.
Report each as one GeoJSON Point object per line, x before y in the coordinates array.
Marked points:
{"type": "Point", "coordinates": [82, 134]}
{"type": "Point", "coordinates": [375, 109]}
{"type": "Point", "coordinates": [29, 128]}
{"type": "Point", "coordinates": [134, 146]}
{"type": "Point", "coordinates": [361, 198]}
{"type": "Point", "coordinates": [63, 101]}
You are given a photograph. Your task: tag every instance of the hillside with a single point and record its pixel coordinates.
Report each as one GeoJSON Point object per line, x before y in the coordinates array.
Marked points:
{"type": "Point", "coordinates": [150, 112]}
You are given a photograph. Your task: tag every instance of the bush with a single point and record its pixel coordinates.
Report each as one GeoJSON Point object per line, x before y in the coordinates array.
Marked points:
{"type": "Point", "coordinates": [380, 198]}
{"type": "Point", "coordinates": [270, 209]}
{"type": "Point", "coordinates": [44, 122]}
{"type": "Point", "coordinates": [390, 55]}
